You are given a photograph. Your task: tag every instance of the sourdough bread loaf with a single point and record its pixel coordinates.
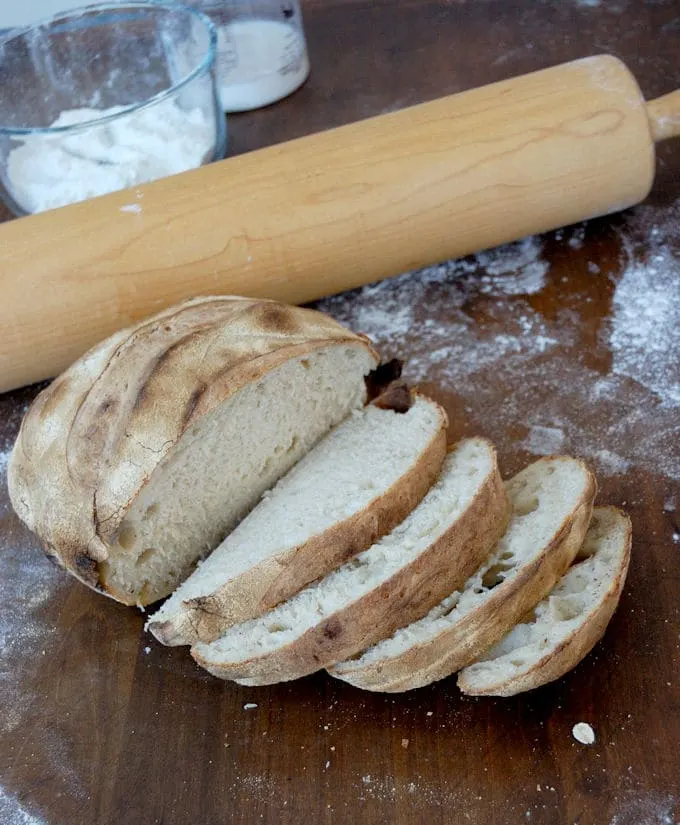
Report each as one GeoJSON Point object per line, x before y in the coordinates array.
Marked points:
{"type": "Point", "coordinates": [394, 582]}
{"type": "Point", "coordinates": [141, 457]}
{"type": "Point", "coordinates": [358, 483]}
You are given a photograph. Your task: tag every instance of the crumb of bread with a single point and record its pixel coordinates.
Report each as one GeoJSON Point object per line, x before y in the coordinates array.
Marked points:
{"type": "Point", "coordinates": [583, 733]}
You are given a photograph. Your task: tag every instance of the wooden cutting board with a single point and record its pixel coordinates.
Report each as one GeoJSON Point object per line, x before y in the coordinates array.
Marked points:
{"type": "Point", "coordinates": [570, 342]}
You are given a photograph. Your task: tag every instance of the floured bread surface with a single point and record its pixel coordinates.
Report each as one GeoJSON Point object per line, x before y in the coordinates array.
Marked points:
{"type": "Point", "coordinates": [140, 458]}
{"type": "Point", "coordinates": [566, 625]}
{"type": "Point", "coordinates": [357, 484]}
{"type": "Point", "coordinates": [392, 583]}
{"type": "Point", "coordinates": [551, 506]}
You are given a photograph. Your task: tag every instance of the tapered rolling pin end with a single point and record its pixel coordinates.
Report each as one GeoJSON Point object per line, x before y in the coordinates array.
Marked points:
{"type": "Point", "coordinates": [664, 116]}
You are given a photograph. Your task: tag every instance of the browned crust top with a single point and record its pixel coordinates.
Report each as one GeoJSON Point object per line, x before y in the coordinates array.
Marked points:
{"type": "Point", "coordinates": [93, 438]}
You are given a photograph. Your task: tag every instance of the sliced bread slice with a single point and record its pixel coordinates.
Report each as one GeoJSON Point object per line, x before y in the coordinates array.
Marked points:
{"type": "Point", "coordinates": [356, 485]}
{"type": "Point", "coordinates": [551, 503]}
{"type": "Point", "coordinates": [392, 583]}
{"type": "Point", "coordinates": [567, 624]}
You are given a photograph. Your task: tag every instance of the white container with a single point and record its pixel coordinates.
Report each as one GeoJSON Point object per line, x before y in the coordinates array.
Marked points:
{"type": "Point", "coordinates": [261, 51]}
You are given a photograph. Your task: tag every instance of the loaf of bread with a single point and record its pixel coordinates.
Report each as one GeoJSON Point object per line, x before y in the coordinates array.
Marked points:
{"type": "Point", "coordinates": [551, 502]}
{"type": "Point", "coordinates": [140, 458]}
{"type": "Point", "coordinates": [377, 555]}
{"type": "Point", "coordinates": [357, 484]}
{"type": "Point", "coordinates": [394, 582]}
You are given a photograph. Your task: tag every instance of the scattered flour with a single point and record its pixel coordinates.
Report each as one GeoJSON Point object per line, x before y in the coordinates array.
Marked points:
{"type": "Point", "coordinates": [514, 269]}
{"type": "Point", "coordinates": [29, 589]}
{"type": "Point", "coordinates": [583, 733]}
{"type": "Point", "coordinates": [12, 812]}
{"type": "Point", "coordinates": [395, 311]}
{"type": "Point", "coordinates": [577, 238]}
{"type": "Point", "coordinates": [647, 808]}
{"type": "Point", "coordinates": [47, 171]}
{"type": "Point", "coordinates": [543, 440]}
{"type": "Point", "coordinates": [472, 329]}
{"type": "Point", "coordinates": [611, 463]}
{"type": "Point", "coordinates": [645, 336]}
{"type": "Point", "coordinates": [27, 584]}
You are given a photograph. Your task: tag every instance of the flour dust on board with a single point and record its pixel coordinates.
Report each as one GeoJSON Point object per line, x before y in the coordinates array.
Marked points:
{"type": "Point", "coordinates": [516, 370]}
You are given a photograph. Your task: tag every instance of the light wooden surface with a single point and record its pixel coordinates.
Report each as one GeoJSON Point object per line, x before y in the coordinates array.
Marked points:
{"type": "Point", "coordinates": [100, 725]}
{"type": "Point", "coordinates": [328, 212]}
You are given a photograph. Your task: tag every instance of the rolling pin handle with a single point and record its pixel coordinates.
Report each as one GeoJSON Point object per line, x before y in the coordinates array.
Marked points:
{"type": "Point", "coordinates": [664, 116]}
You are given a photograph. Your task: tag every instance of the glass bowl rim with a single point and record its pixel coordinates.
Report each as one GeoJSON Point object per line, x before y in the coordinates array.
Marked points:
{"type": "Point", "coordinates": [204, 66]}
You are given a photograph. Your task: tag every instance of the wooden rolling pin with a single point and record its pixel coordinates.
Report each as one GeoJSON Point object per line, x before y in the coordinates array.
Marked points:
{"type": "Point", "coordinates": [332, 211]}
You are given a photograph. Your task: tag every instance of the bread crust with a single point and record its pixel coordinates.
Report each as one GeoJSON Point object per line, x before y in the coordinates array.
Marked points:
{"type": "Point", "coordinates": [461, 644]}
{"type": "Point", "coordinates": [559, 660]}
{"type": "Point", "coordinates": [405, 597]}
{"type": "Point", "coordinates": [92, 440]}
{"type": "Point", "coordinates": [277, 578]}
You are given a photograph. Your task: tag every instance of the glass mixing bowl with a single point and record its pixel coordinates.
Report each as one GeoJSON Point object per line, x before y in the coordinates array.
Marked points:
{"type": "Point", "coordinates": [104, 98]}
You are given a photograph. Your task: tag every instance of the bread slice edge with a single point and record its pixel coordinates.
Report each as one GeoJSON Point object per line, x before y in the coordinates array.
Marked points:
{"type": "Point", "coordinates": [559, 659]}
{"type": "Point", "coordinates": [401, 599]}
{"type": "Point", "coordinates": [459, 645]}
{"type": "Point", "coordinates": [277, 578]}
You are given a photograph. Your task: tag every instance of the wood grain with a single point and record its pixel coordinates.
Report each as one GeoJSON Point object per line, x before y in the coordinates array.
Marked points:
{"type": "Point", "coordinates": [105, 726]}
{"type": "Point", "coordinates": [329, 212]}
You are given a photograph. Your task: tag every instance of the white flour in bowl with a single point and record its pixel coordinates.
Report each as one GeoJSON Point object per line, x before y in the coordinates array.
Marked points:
{"type": "Point", "coordinates": [47, 171]}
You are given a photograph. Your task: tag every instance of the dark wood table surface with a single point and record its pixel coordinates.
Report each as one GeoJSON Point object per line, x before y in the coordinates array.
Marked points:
{"type": "Point", "coordinates": [568, 343]}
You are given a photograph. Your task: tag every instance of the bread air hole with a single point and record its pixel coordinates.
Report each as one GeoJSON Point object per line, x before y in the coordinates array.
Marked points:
{"type": "Point", "coordinates": [578, 581]}
{"type": "Point", "coordinates": [277, 627]}
{"type": "Point", "coordinates": [565, 609]}
{"type": "Point", "coordinates": [494, 575]}
{"type": "Point", "coordinates": [150, 512]}
{"type": "Point", "coordinates": [525, 505]}
{"type": "Point", "coordinates": [127, 537]}
{"type": "Point", "coordinates": [596, 531]}
{"type": "Point", "coordinates": [279, 449]}
{"type": "Point", "coordinates": [145, 556]}
{"type": "Point", "coordinates": [584, 552]}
